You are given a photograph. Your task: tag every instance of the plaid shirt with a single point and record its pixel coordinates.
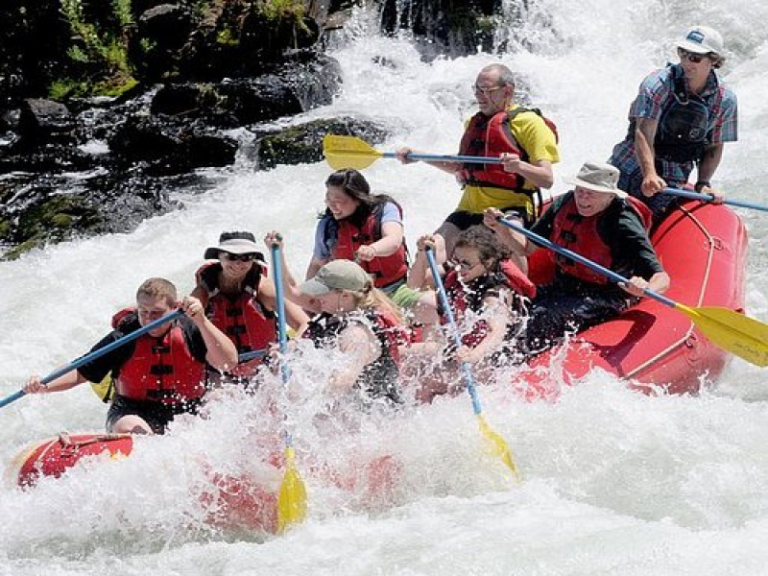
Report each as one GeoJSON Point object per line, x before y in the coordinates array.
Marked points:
{"type": "Point", "coordinates": [656, 92]}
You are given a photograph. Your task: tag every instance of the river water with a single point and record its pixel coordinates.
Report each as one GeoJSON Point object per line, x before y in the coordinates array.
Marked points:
{"type": "Point", "coordinates": [614, 482]}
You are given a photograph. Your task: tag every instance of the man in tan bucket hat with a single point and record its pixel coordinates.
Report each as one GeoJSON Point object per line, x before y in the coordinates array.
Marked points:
{"type": "Point", "coordinates": [603, 223]}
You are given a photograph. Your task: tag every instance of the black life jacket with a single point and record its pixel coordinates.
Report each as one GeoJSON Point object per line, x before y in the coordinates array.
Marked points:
{"type": "Point", "coordinates": [470, 296]}
{"type": "Point", "coordinates": [683, 126]}
{"type": "Point", "coordinates": [379, 379]}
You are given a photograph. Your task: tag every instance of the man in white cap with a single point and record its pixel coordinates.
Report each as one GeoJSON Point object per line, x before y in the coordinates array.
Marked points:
{"type": "Point", "coordinates": [681, 117]}
{"type": "Point", "coordinates": [602, 223]}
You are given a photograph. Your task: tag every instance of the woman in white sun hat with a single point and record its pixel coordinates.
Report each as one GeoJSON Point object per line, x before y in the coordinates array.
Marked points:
{"type": "Point", "coordinates": [602, 223]}
{"type": "Point", "coordinates": [240, 299]}
{"type": "Point", "coordinates": [681, 118]}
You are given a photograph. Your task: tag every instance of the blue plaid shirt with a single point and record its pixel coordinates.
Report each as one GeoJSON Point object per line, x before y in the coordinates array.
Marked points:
{"type": "Point", "coordinates": [656, 92]}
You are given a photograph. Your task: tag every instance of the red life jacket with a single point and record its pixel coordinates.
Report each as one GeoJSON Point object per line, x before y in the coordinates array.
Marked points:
{"type": "Point", "coordinates": [243, 318]}
{"type": "Point", "coordinates": [160, 369]}
{"type": "Point", "coordinates": [579, 234]}
{"type": "Point", "coordinates": [492, 137]}
{"type": "Point", "coordinates": [463, 297]}
{"type": "Point", "coordinates": [386, 270]}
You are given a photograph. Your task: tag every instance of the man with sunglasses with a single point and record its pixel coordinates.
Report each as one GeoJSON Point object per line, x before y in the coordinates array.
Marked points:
{"type": "Point", "coordinates": [524, 140]}
{"type": "Point", "coordinates": [681, 118]}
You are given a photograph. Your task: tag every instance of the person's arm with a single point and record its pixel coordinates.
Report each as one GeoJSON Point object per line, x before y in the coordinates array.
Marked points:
{"type": "Point", "coordinates": [290, 289]}
{"type": "Point", "coordinates": [516, 241]}
{"type": "Point", "coordinates": [390, 241]}
{"type": "Point", "coordinates": [645, 134]}
{"type": "Point", "coordinates": [637, 285]}
{"type": "Point", "coordinates": [512, 239]}
{"type": "Point", "coordinates": [64, 382]}
{"type": "Point", "coordinates": [644, 268]}
{"type": "Point", "coordinates": [537, 173]}
{"type": "Point", "coordinates": [360, 347]}
{"type": "Point", "coordinates": [220, 350]}
{"type": "Point", "coordinates": [497, 317]}
{"type": "Point", "coordinates": [294, 315]}
{"type": "Point", "coordinates": [707, 167]}
{"type": "Point", "coordinates": [201, 294]}
{"type": "Point", "coordinates": [420, 275]}
{"type": "Point", "coordinates": [314, 265]}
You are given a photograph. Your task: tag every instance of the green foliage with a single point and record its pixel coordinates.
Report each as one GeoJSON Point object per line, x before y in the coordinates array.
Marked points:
{"type": "Point", "coordinates": [123, 13]}
{"type": "Point", "coordinates": [64, 88]}
{"type": "Point", "coordinates": [102, 50]}
{"type": "Point", "coordinates": [227, 37]}
{"type": "Point", "coordinates": [282, 9]}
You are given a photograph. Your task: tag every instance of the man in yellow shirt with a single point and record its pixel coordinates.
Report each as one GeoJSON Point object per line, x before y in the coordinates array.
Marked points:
{"type": "Point", "coordinates": [522, 139]}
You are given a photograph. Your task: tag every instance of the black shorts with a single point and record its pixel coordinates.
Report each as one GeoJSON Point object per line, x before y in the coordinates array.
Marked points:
{"type": "Point", "coordinates": [156, 414]}
{"type": "Point", "coordinates": [465, 220]}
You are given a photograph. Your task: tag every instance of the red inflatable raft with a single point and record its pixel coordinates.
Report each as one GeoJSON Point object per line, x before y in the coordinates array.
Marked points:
{"type": "Point", "coordinates": [703, 248]}
{"type": "Point", "coordinates": [235, 502]}
{"type": "Point", "coordinates": [54, 456]}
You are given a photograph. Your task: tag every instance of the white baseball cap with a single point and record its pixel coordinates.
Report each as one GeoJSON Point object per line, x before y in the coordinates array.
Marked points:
{"type": "Point", "coordinates": [702, 40]}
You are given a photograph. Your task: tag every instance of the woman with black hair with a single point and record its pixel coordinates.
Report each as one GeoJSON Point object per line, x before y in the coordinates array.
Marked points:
{"type": "Point", "coordinates": [364, 227]}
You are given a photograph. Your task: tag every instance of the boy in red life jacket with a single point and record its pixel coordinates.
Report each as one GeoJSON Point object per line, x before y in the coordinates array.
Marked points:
{"type": "Point", "coordinates": [487, 293]}
{"type": "Point", "coordinates": [160, 374]}
{"type": "Point", "coordinates": [240, 299]}
{"type": "Point", "coordinates": [522, 138]}
{"type": "Point", "coordinates": [602, 223]}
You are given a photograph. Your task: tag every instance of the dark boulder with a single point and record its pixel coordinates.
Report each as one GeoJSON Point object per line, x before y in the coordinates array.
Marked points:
{"type": "Point", "coordinates": [170, 145]}
{"type": "Point", "coordinates": [43, 121]}
{"type": "Point", "coordinates": [303, 144]}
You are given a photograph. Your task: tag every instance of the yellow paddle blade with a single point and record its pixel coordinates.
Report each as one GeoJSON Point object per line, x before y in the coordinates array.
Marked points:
{"type": "Point", "coordinates": [739, 334]}
{"type": "Point", "coordinates": [348, 152]}
{"type": "Point", "coordinates": [498, 446]}
{"type": "Point", "coordinates": [292, 499]}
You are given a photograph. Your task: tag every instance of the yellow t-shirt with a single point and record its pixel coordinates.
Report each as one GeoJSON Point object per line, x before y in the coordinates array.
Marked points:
{"type": "Point", "coordinates": [538, 140]}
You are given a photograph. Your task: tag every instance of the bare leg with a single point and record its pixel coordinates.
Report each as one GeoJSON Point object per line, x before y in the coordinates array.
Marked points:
{"type": "Point", "coordinates": [448, 233]}
{"type": "Point", "coordinates": [132, 424]}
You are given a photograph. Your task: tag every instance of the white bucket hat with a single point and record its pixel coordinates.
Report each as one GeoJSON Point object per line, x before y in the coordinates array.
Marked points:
{"type": "Point", "coordinates": [702, 40]}
{"type": "Point", "coordinates": [234, 243]}
{"type": "Point", "coordinates": [598, 177]}
{"type": "Point", "coordinates": [337, 275]}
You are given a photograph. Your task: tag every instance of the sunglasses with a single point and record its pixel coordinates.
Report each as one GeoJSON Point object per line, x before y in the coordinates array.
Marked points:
{"type": "Point", "coordinates": [238, 257]}
{"type": "Point", "coordinates": [464, 264]}
{"type": "Point", "coordinates": [485, 91]}
{"type": "Point", "coordinates": [690, 56]}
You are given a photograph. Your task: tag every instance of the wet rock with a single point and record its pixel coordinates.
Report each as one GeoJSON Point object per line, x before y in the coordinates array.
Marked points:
{"type": "Point", "coordinates": [40, 209]}
{"type": "Point", "coordinates": [51, 158]}
{"type": "Point", "coordinates": [307, 80]}
{"type": "Point", "coordinates": [304, 143]}
{"type": "Point", "coordinates": [42, 121]}
{"type": "Point", "coordinates": [170, 145]}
